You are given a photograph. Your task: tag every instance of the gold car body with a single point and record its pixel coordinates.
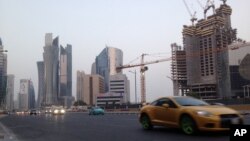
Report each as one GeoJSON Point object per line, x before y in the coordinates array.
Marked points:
{"type": "Point", "coordinates": [170, 117]}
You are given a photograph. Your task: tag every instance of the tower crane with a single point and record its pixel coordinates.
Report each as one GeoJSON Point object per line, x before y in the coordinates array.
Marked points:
{"type": "Point", "coordinates": [143, 69]}
{"type": "Point", "coordinates": [193, 16]}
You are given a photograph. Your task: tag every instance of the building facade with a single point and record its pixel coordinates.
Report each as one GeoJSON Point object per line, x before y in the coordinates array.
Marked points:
{"type": "Point", "coordinates": [239, 65]}
{"type": "Point", "coordinates": [79, 85]}
{"type": "Point", "coordinates": [51, 68]}
{"type": "Point", "coordinates": [88, 87]}
{"type": "Point", "coordinates": [65, 71]}
{"type": "Point", "coordinates": [10, 92]}
{"type": "Point", "coordinates": [106, 63]}
{"type": "Point", "coordinates": [26, 95]}
{"type": "Point", "coordinates": [109, 100]}
{"type": "Point", "coordinates": [3, 75]}
{"type": "Point", "coordinates": [206, 48]}
{"type": "Point", "coordinates": [41, 84]}
{"type": "Point", "coordinates": [119, 84]}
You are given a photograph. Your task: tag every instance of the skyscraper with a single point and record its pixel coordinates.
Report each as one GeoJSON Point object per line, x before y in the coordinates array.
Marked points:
{"type": "Point", "coordinates": [51, 65]}
{"type": "Point", "coordinates": [10, 92]}
{"type": "Point", "coordinates": [41, 84]}
{"type": "Point", "coordinates": [26, 95]}
{"type": "Point", "coordinates": [65, 71]}
{"type": "Point", "coordinates": [3, 75]}
{"type": "Point", "coordinates": [106, 63]}
{"type": "Point", "coordinates": [79, 85]}
{"type": "Point", "coordinates": [206, 46]}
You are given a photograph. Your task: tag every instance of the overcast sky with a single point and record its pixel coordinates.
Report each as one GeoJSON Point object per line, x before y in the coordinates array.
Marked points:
{"type": "Point", "coordinates": [134, 26]}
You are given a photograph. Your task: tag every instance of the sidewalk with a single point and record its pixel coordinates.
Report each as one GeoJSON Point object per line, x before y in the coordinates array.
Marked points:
{"type": "Point", "coordinates": [5, 133]}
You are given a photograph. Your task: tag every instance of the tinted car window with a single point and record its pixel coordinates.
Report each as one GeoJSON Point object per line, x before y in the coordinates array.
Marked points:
{"type": "Point", "coordinates": [188, 101]}
{"type": "Point", "coordinates": [160, 102]}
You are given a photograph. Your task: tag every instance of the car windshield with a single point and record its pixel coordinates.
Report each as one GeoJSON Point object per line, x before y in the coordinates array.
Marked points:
{"type": "Point", "coordinates": [188, 101]}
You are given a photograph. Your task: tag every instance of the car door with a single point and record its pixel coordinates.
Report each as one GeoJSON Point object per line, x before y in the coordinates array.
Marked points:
{"type": "Point", "coordinates": [163, 115]}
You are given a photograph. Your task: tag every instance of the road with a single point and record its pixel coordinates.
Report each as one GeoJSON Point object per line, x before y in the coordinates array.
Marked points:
{"type": "Point", "coordinates": [81, 126]}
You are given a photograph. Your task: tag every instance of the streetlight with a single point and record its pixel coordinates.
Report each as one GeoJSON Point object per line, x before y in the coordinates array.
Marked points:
{"type": "Point", "coordinates": [134, 72]}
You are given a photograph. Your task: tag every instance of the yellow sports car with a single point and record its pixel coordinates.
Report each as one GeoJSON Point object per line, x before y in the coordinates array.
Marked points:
{"type": "Point", "coordinates": [189, 114]}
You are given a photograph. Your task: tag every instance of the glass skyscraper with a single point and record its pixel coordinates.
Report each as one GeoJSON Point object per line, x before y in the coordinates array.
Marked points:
{"type": "Point", "coordinates": [3, 75]}
{"type": "Point", "coordinates": [65, 71]}
{"type": "Point", "coordinates": [106, 63]}
{"type": "Point", "coordinates": [51, 66]}
{"type": "Point", "coordinates": [41, 84]}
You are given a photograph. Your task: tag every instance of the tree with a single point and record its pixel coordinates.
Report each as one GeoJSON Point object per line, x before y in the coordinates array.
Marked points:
{"type": "Point", "coordinates": [80, 103]}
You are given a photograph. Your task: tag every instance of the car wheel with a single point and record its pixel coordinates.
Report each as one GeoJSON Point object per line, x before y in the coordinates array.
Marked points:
{"type": "Point", "coordinates": [188, 125]}
{"type": "Point", "coordinates": [146, 123]}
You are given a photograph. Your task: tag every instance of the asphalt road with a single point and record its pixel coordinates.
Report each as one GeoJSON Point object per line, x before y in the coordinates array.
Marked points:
{"type": "Point", "coordinates": [82, 127]}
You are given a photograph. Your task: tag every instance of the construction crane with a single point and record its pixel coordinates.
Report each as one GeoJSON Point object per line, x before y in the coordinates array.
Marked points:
{"type": "Point", "coordinates": [210, 4]}
{"type": "Point", "coordinates": [193, 16]}
{"type": "Point", "coordinates": [143, 69]}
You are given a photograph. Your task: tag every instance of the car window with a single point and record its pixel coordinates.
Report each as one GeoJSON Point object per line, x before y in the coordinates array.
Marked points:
{"type": "Point", "coordinates": [188, 101]}
{"type": "Point", "coordinates": [162, 101]}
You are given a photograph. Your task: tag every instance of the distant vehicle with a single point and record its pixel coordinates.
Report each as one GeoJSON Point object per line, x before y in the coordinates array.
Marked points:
{"type": "Point", "coordinates": [96, 111]}
{"type": "Point", "coordinates": [34, 112]}
{"type": "Point", "coordinates": [189, 114]}
{"type": "Point", "coordinates": [58, 111]}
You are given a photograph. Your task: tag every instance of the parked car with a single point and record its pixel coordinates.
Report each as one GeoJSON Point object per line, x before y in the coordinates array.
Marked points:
{"type": "Point", "coordinates": [189, 114]}
{"type": "Point", "coordinates": [96, 111]}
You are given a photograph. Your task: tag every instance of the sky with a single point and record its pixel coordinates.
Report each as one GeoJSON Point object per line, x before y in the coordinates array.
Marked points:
{"type": "Point", "coordinates": [134, 26]}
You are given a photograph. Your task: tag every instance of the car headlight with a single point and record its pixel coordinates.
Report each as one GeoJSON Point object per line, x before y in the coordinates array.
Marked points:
{"type": "Point", "coordinates": [62, 111]}
{"type": "Point", "coordinates": [56, 111]}
{"type": "Point", "coordinates": [204, 113]}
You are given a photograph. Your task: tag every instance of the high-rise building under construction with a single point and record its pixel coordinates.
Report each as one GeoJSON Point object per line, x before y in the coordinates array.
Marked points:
{"type": "Point", "coordinates": [206, 51]}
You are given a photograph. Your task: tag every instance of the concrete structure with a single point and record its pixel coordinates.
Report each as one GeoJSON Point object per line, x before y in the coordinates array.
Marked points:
{"type": "Point", "coordinates": [119, 84]}
{"type": "Point", "coordinates": [106, 63]}
{"type": "Point", "coordinates": [51, 66]}
{"type": "Point", "coordinates": [179, 72]}
{"type": "Point", "coordinates": [65, 71]}
{"type": "Point", "coordinates": [3, 75]}
{"type": "Point", "coordinates": [88, 87]}
{"type": "Point", "coordinates": [109, 100]}
{"type": "Point", "coordinates": [239, 63]}
{"type": "Point", "coordinates": [206, 51]}
{"type": "Point", "coordinates": [41, 84]}
{"type": "Point", "coordinates": [79, 84]}
{"type": "Point", "coordinates": [10, 92]}
{"type": "Point", "coordinates": [26, 95]}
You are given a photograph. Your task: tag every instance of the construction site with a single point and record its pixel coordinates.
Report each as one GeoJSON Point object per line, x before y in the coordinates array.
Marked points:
{"type": "Point", "coordinates": [201, 67]}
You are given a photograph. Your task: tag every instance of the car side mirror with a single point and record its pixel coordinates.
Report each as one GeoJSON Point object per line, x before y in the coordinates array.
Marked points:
{"type": "Point", "coordinates": [165, 105]}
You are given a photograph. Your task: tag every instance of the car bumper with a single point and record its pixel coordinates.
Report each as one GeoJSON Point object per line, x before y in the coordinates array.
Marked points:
{"type": "Point", "coordinates": [217, 123]}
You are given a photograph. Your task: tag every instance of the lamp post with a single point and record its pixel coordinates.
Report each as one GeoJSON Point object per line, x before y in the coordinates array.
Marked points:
{"type": "Point", "coordinates": [134, 72]}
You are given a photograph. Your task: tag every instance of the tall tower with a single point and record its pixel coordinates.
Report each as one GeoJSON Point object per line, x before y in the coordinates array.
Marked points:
{"type": "Point", "coordinates": [3, 75]}
{"type": "Point", "coordinates": [106, 63]}
{"type": "Point", "coordinates": [206, 45]}
{"type": "Point", "coordinates": [41, 84]}
{"type": "Point", "coordinates": [65, 71]}
{"type": "Point", "coordinates": [51, 65]}
{"type": "Point", "coordinates": [10, 92]}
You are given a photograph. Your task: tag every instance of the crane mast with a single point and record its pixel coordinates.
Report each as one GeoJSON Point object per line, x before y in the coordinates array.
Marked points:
{"type": "Point", "coordinates": [143, 69]}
